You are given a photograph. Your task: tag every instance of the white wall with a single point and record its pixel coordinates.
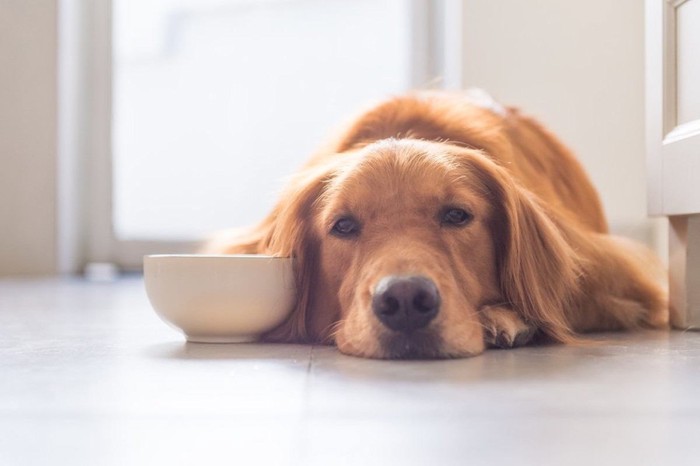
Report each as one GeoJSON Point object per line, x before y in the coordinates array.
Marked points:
{"type": "Point", "coordinates": [27, 136]}
{"type": "Point", "coordinates": [579, 67]}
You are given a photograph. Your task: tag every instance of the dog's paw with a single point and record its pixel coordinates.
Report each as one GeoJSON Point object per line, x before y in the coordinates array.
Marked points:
{"type": "Point", "coordinates": [504, 328]}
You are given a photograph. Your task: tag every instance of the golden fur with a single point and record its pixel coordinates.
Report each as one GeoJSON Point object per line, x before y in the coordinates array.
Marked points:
{"type": "Point", "coordinates": [536, 258]}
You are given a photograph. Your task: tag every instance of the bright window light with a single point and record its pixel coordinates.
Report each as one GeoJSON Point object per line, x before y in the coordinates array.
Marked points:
{"type": "Point", "coordinates": [216, 102]}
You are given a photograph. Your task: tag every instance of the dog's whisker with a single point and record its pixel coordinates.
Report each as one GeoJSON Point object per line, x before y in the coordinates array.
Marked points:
{"type": "Point", "coordinates": [333, 329]}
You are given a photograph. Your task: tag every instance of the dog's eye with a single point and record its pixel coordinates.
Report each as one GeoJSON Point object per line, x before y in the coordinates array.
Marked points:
{"type": "Point", "coordinates": [456, 217]}
{"type": "Point", "coordinates": [345, 227]}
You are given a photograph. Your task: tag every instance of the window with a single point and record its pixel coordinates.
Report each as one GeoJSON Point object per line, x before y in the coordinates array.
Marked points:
{"type": "Point", "coordinates": [207, 106]}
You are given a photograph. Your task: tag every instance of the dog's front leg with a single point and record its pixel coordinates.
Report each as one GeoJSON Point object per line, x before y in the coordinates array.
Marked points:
{"type": "Point", "coordinates": [504, 328]}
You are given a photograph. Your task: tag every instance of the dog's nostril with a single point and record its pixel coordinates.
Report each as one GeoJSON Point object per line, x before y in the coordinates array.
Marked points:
{"type": "Point", "coordinates": [405, 303]}
{"type": "Point", "coordinates": [423, 302]}
{"type": "Point", "coordinates": [390, 306]}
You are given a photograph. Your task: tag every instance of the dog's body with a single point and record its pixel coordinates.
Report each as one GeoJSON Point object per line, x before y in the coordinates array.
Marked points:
{"type": "Point", "coordinates": [434, 225]}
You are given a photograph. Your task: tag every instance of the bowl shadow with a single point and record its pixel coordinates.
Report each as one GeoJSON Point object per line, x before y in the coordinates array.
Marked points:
{"type": "Point", "coordinates": [228, 351]}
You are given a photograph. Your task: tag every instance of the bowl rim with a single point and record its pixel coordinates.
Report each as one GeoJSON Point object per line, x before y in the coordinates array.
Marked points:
{"type": "Point", "coordinates": [215, 256]}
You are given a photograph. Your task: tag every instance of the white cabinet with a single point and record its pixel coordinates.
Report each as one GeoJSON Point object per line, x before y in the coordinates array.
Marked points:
{"type": "Point", "coordinates": [673, 143]}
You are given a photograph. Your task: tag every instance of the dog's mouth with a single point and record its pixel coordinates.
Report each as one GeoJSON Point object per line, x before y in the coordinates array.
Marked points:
{"type": "Point", "coordinates": [421, 344]}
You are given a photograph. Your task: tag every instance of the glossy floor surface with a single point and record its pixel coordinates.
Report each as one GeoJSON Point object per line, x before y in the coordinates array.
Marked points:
{"type": "Point", "coordinates": [90, 376]}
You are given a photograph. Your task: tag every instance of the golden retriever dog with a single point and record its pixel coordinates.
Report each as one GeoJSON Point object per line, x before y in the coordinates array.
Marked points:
{"type": "Point", "coordinates": [435, 225]}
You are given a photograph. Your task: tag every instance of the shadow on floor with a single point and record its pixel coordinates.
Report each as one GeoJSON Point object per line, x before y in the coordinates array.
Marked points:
{"type": "Point", "coordinates": [523, 364]}
{"type": "Point", "coordinates": [236, 351]}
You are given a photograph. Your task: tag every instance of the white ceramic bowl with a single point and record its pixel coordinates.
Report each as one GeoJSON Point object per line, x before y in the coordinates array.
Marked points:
{"type": "Point", "coordinates": [220, 299]}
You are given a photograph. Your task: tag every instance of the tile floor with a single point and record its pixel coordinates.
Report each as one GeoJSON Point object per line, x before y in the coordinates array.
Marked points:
{"type": "Point", "coordinates": [90, 376]}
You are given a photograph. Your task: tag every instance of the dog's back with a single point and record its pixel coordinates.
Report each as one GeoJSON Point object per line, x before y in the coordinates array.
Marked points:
{"type": "Point", "coordinates": [536, 158]}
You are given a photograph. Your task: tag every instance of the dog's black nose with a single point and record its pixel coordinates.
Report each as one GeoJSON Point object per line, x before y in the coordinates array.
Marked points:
{"type": "Point", "coordinates": [406, 303]}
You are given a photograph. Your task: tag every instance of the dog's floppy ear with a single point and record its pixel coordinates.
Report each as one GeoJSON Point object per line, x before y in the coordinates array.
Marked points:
{"type": "Point", "coordinates": [538, 268]}
{"type": "Point", "coordinates": [289, 233]}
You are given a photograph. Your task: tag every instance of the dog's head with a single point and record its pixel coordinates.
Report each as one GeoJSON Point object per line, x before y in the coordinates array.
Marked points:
{"type": "Point", "coordinates": [401, 243]}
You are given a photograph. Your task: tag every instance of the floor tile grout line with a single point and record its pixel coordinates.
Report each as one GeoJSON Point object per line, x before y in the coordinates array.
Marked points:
{"type": "Point", "coordinates": [311, 360]}
{"type": "Point", "coordinates": [300, 456]}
